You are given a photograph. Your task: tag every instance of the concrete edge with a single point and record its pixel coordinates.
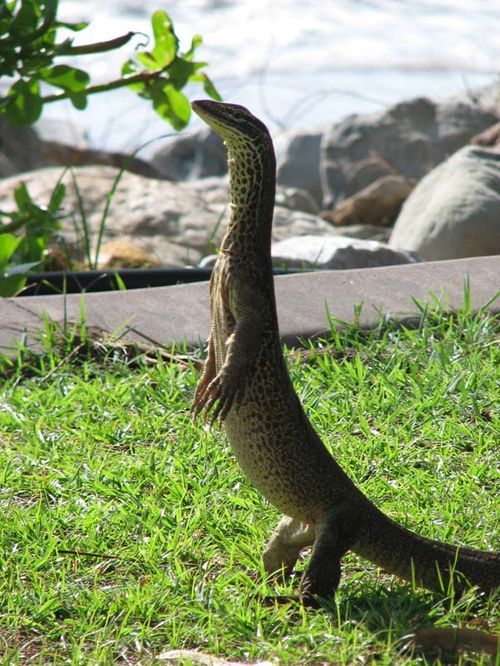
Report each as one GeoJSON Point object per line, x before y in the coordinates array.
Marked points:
{"type": "Point", "coordinates": [180, 314]}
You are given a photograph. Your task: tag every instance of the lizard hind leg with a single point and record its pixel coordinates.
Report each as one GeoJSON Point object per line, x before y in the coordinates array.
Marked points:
{"type": "Point", "coordinates": [283, 548]}
{"type": "Point", "coordinates": [322, 575]}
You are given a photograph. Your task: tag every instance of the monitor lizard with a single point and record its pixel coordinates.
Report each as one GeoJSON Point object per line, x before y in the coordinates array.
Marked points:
{"type": "Point", "coordinates": [245, 384]}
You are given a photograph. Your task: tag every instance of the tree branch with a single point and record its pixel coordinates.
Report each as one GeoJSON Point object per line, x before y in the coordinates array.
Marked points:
{"type": "Point", "coordinates": [98, 47]}
{"type": "Point", "coordinates": [103, 87]}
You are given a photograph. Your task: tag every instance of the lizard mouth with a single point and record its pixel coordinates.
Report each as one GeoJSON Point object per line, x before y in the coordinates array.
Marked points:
{"type": "Point", "coordinates": [207, 111]}
{"type": "Point", "coordinates": [210, 110]}
{"type": "Point", "coordinates": [230, 121]}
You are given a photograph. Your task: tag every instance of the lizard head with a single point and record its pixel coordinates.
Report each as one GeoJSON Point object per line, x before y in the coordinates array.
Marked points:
{"type": "Point", "coordinates": [232, 122]}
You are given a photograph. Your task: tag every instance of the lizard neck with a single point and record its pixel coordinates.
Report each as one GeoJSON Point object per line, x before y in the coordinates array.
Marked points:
{"type": "Point", "coordinates": [252, 187]}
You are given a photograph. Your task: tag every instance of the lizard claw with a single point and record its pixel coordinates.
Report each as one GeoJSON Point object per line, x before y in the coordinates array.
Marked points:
{"type": "Point", "coordinates": [217, 399]}
{"type": "Point", "coordinates": [200, 399]}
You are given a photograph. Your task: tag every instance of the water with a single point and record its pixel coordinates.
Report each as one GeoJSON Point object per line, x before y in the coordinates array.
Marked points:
{"type": "Point", "coordinates": [294, 62]}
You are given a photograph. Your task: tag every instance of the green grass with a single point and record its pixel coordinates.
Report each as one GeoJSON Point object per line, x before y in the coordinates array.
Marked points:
{"type": "Point", "coordinates": [127, 530]}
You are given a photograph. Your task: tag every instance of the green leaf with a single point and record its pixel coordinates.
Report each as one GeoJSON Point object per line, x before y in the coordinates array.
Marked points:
{"type": "Point", "coordinates": [8, 245]}
{"type": "Point", "coordinates": [25, 104]}
{"type": "Point", "coordinates": [179, 103]}
{"type": "Point", "coordinates": [8, 61]}
{"type": "Point", "coordinates": [25, 21]}
{"type": "Point", "coordinates": [137, 87]}
{"type": "Point", "coordinates": [129, 68]}
{"type": "Point", "coordinates": [11, 285]}
{"type": "Point", "coordinates": [209, 88]}
{"type": "Point", "coordinates": [57, 197]}
{"type": "Point", "coordinates": [21, 269]}
{"type": "Point", "coordinates": [195, 42]}
{"type": "Point", "coordinates": [67, 78]}
{"type": "Point", "coordinates": [78, 99]}
{"type": "Point", "coordinates": [146, 58]}
{"type": "Point", "coordinates": [182, 71]}
{"type": "Point", "coordinates": [75, 27]}
{"type": "Point", "coordinates": [157, 92]}
{"type": "Point", "coordinates": [119, 282]}
{"type": "Point", "coordinates": [13, 279]}
{"type": "Point", "coordinates": [166, 42]}
{"type": "Point", "coordinates": [22, 197]}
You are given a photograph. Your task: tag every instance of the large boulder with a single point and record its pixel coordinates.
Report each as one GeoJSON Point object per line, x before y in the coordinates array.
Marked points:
{"type": "Point", "coordinates": [363, 231]}
{"type": "Point", "coordinates": [288, 223]}
{"type": "Point", "coordinates": [125, 254]}
{"type": "Point", "coordinates": [175, 223]}
{"type": "Point", "coordinates": [215, 190]}
{"type": "Point", "coordinates": [409, 139]}
{"type": "Point", "coordinates": [193, 155]}
{"type": "Point", "coordinates": [56, 153]}
{"type": "Point", "coordinates": [296, 199]}
{"type": "Point", "coordinates": [20, 148]}
{"type": "Point", "coordinates": [167, 220]}
{"type": "Point", "coordinates": [297, 161]}
{"type": "Point", "coordinates": [377, 204]}
{"type": "Point", "coordinates": [336, 252]}
{"type": "Point", "coordinates": [455, 210]}
{"type": "Point", "coordinates": [52, 143]}
{"type": "Point", "coordinates": [489, 137]}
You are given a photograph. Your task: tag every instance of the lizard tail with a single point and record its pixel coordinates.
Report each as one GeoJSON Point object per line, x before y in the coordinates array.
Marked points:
{"type": "Point", "coordinates": [428, 563]}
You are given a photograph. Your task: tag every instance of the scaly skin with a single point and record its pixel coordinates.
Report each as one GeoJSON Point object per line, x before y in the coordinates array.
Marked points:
{"type": "Point", "coordinates": [246, 385]}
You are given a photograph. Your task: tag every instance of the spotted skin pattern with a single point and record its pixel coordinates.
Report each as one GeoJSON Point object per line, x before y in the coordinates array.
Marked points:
{"type": "Point", "coordinates": [245, 385]}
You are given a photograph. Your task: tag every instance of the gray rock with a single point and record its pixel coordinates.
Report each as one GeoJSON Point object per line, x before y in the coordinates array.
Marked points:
{"type": "Point", "coordinates": [191, 156]}
{"type": "Point", "coordinates": [457, 122]}
{"type": "Point", "coordinates": [487, 97]}
{"type": "Point", "coordinates": [154, 214]}
{"type": "Point", "coordinates": [208, 261]}
{"type": "Point", "coordinates": [288, 223]}
{"type": "Point", "coordinates": [377, 204]}
{"type": "Point", "coordinates": [62, 131]}
{"type": "Point", "coordinates": [215, 191]}
{"type": "Point", "coordinates": [176, 223]}
{"type": "Point", "coordinates": [53, 143]}
{"type": "Point", "coordinates": [297, 161]}
{"type": "Point", "coordinates": [489, 137]}
{"type": "Point", "coordinates": [336, 252]}
{"type": "Point", "coordinates": [125, 254]}
{"type": "Point", "coordinates": [20, 148]}
{"type": "Point", "coordinates": [159, 249]}
{"type": "Point", "coordinates": [55, 153]}
{"type": "Point", "coordinates": [7, 166]}
{"type": "Point", "coordinates": [365, 172]}
{"type": "Point", "coordinates": [455, 210]}
{"type": "Point", "coordinates": [364, 232]}
{"type": "Point", "coordinates": [409, 138]}
{"type": "Point", "coordinates": [296, 199]}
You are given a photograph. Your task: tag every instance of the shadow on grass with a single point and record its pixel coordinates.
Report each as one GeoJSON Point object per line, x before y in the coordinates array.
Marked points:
{"type": "Point", "coordinates": [407, 618]}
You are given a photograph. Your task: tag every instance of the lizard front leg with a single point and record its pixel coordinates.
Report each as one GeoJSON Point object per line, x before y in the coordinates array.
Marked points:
{"type": "Point", "coordinates": [227, 388]}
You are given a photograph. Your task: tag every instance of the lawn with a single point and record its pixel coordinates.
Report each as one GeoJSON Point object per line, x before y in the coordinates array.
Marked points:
{"type": "Point", "coordinates": [128, 530]}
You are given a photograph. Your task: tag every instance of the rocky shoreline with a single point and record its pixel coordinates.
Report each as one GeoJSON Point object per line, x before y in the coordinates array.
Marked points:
{"type": "Point", "coordinates": [417, 182]}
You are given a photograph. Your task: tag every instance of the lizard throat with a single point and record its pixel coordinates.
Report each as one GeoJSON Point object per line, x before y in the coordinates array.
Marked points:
{"type": "Point", "coordinates": [251, 198]}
